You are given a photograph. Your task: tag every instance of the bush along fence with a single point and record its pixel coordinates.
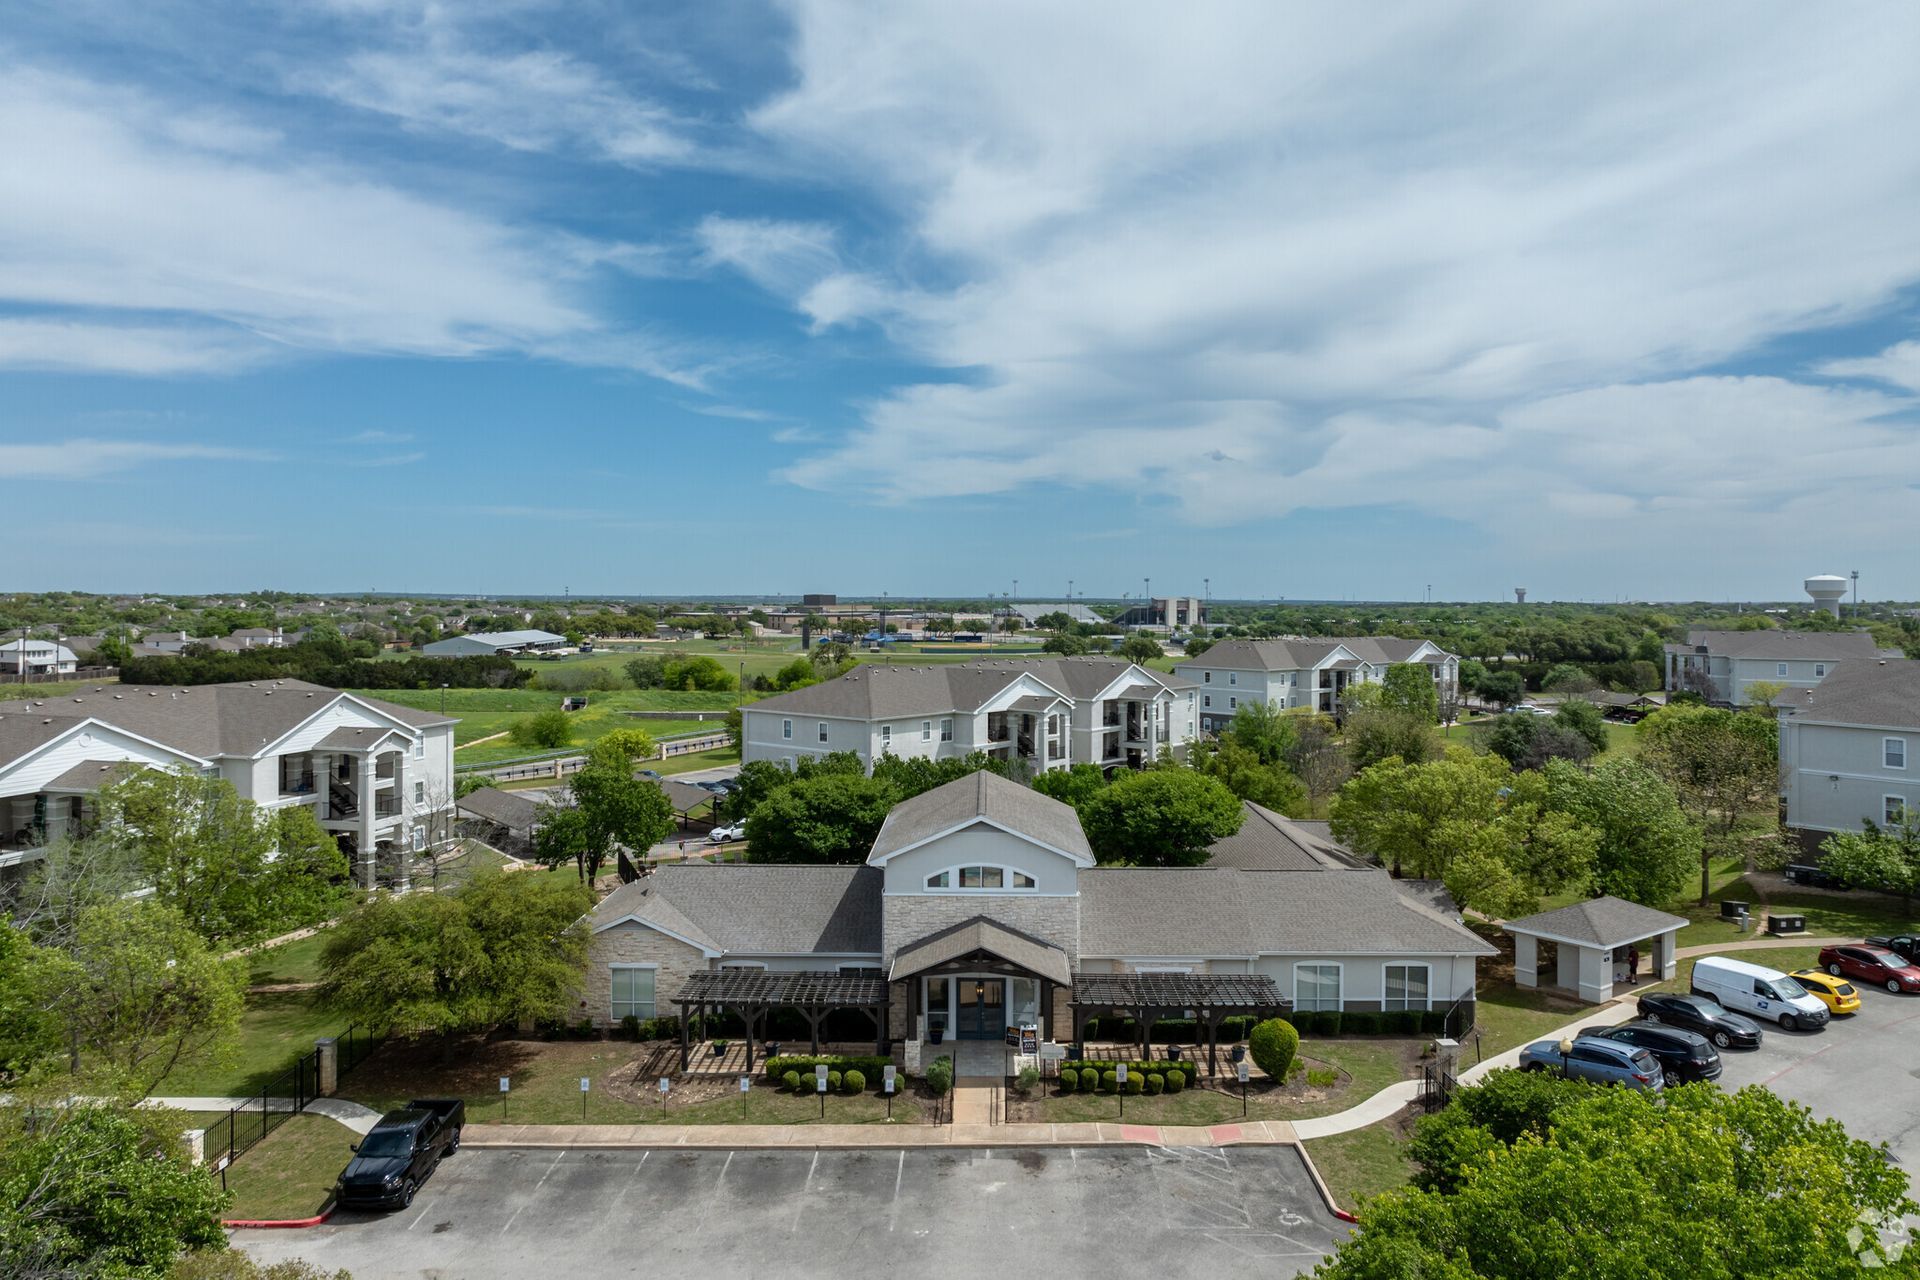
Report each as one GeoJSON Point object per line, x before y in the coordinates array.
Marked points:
{"type": "Point", "coordinates": [286, 1096]}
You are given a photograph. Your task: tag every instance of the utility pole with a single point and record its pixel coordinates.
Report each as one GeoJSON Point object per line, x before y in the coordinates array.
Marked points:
{"type": "Point", "coordinates": [1856, 595]}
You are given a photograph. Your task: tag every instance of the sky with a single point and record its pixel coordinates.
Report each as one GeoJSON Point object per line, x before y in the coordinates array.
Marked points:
{"type": "Point", "coordinates": [1292, 301]}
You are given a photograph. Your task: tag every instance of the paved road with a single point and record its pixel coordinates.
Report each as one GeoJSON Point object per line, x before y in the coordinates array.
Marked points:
{"type": "Point", "coordinates": [1863, 1071]}
{"type": "Point", "coordinates": [1063, 1212]}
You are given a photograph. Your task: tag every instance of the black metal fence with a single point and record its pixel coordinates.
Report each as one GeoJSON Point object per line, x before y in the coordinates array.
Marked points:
{"type": "Point", "coordinates": [1436, 1088]}
{"type": "Point", "coordinates": [286, 1096]}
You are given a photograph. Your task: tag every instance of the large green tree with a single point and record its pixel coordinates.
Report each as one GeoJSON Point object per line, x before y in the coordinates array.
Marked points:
{"type": "Point", "coordinates": [1074, 785]}
{"type": "Point", "coordinates": [1622, 1185]}
{"type": "Point", "coordinates": [827, 819]}
{"type": "Point", "coordinates": [1648, 846]}
{"type": "Point", "coordinates": [1722, 764]}
{"type": "Point", "coordinates": [1249, 777]}
{"type": "Point", "coordinates": [1376, 729]}
{"type": "Point", "coordinates": [1877, 857]}
{"type": "Point", "coordinates": [608, 806]}
{"type": "Point", "coordinates": [1140, 647]}
{"type": "Point", "coordinates": [1409, 687]}
{"type": "Point", "coordinates": [1159, 818]}
{"type": "Point", "coordinates": [499, 949]}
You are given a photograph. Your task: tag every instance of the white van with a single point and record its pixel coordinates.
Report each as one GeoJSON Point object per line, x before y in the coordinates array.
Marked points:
{"type": "Point", "coordinates": [1767, 994]}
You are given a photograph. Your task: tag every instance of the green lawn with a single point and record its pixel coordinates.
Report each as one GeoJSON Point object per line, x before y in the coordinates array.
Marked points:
{"type": "Point", "coordinates": [1622, 740]}
{"type": "Point", "coordinates": [1362, 1163]}
{"type": "Point", "coordinates": [1508, 1016]}
{"type": "Point", "coordinates": [275, 1029]}
{"type": "Point", "coordinates": [484, 713]}
{"type": "Point", "coordinates": [291, 1172]}
{"type": "Point", "coordinates": [289, 962]}
{"type": "Point", "coordinates": [1785, 958]}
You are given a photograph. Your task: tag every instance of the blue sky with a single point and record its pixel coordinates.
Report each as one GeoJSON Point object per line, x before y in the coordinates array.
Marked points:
{"type": "Point", "coordinates": [517, 296]}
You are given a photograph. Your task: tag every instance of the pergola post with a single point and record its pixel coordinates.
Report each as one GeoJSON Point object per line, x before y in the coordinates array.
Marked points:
{"type": "Point", "coordinates": [683, 1036]}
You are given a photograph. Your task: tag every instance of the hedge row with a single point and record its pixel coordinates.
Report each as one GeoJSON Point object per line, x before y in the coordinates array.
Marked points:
{"type": "Point", "coordinates": [870, 1066]}
{"type": "Point", "coordinates": [1092, 1077]}
{"type": "Point", "coordinates": [796, 1081]}
{"type": "Point", "coordinates": [1317, 1023]}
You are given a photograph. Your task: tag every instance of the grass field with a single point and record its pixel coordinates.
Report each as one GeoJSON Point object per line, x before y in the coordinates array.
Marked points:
{"type": "Point", "coordinates": [1362, 1163]}
{"type": "Point", "coordinates": [276, 1028]}
{"type": "Point", "coordinates": [291, 1172]}
{"type": "Point", "coordinates": [289, 962]}
{"type": "Point", "coordinates": [485, 712]}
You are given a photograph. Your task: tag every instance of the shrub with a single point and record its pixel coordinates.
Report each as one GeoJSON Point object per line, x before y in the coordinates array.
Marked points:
{"type": "Point", "coordinates": [868, 1065]}
{"type": "Point", "coordinates": [630, 1027]}
{"type": "Point", "coordinates": [1176, 1080]}
{"type": "Point", "coordinates": [834, 1080]}
{"type": "Point", "coordinates": [1361, 1024]}
{"type": "Point", "coordinates": [1109, 1082]}
{"type": "Point", "coordinates": [791, 1080]}
{"type": "Point", "coordinates": [1069, 1080]}
{"type": "Point", "coordinates": [1155, 1083]}
{"type": "Point", "coordinates": [1273, 1044]}
{"type": "Point", "coordinates": [1322, 1079]}
{"type": "Point", "coordinates": [852, 1082]}
{"type": "Point", "coordinates": [1027, 1078]}
{"type": "Point", "coordinates": [548, 729]}
{"type": "Point", "coordinates": [1403, 1022]}
{"type": "Point", "coordinates": [940, 1076]}
{"type": "Point", "coordinates": [1136, 1083]}
{"type": "Point", "coordinates": [1433, 1022]}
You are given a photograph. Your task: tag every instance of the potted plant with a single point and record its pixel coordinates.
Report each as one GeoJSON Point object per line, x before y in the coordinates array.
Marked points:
{"type": "Point", "coordinates": [720, 1048]}
{"type": "Point", "coordinates": [937, 1031]}
{"type": "Point", "coordinates": [1173, 1053]}
{"type": "Point", "coordinates": [1239, 1052]}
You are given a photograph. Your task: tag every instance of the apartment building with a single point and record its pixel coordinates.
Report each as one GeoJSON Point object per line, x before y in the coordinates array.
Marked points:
{"type": "Point", "coordinates": [1300, 673]}
{"type": "Point", "coordinates": [1847, 748]}
{"type": "Point", "coordinates": [1721, 665]}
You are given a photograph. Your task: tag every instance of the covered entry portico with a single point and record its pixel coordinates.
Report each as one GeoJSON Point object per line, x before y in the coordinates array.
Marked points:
{"type": "Point", "coordinates": [1591, 941]}
{"type": "Point", "coordinates": [977, 978]}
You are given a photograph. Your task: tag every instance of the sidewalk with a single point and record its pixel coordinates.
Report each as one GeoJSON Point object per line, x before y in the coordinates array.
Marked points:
{"type": "Point", "coordinates": [831, 1137]}
{"type": "Point", "coordinates": [351, 1114]}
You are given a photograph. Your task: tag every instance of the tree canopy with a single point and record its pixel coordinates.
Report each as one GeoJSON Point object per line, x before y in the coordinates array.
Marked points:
{"type": "Point", "coordinates": [1159, 818]}
{"type": "Point", "coordinates": [1647, 845]}
{"type": "Point", "coordinates": [1720, 763]}
{"type": "Point", "coordinates": [1409, 687]}
{"type": "Point", "coordinates": [831, 818]}
{"type": "Point", "coordinates": [1877, 857]}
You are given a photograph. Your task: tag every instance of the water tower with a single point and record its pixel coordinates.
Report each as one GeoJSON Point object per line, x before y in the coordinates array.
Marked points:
{"type": "Point", "coordinates": [1827, 590]}
{"type": "Point", "coordinates": [1519, 595]}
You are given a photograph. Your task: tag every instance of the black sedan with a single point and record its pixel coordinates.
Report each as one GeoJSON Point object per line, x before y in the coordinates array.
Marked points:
{"type": "Point", "coordinates": [1697, 1013]}
{"type": "Point", "coordinates": [1682, 1055]}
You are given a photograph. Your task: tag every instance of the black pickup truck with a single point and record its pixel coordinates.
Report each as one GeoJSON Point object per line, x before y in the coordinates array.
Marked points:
{"type": "Point", "coordinates": [400, 1152]}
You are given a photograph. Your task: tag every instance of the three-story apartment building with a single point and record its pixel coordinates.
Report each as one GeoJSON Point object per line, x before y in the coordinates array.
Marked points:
{"type": "Point", "coordinates": [1048, 713]}
{"type": "Point", "coordinates": [1721, 665]}
{"type": "Point", "coordinates": [1847, 748]}
{"type": "Point", "coordinates": [1313, 674]}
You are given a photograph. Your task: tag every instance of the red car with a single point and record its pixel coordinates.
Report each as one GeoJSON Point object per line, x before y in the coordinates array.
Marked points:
{"type": "Point", "coordinates": [1875, 966]}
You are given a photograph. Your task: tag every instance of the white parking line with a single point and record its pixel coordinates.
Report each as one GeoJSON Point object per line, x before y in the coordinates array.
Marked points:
{"type": "Point", "coordinates": [893, 1212]}
{"type": "Point", "coordinates": [531, 1194]}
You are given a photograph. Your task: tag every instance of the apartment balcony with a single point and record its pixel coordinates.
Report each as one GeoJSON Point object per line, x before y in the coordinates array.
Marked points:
{"type": "Point", "coordinates": [386, 807]}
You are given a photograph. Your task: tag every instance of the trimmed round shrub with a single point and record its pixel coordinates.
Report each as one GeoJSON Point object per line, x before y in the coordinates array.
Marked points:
{"type": "Point", "coordinates": [1273, 1045]}
{"type": "Point", "coordinates": [939, 1078]}
{"type": "Point", "coordinates": [853, 1082]}
{"type": "Point", "coordinates": [792, 1081]}
{"type": "Point", "coordinates": [1176, 1081]}
{"type": "Point", "coordinates": [1156, 1082]}
{"type": "Point", "coordinates": [1069, 1079]}
{"type": "Point", "coordinates": [834, 1080]}
{"type": "Point", "coordinates": [1136, 1083]}
{"type": "Point", "coordinates": [1109, 1082]}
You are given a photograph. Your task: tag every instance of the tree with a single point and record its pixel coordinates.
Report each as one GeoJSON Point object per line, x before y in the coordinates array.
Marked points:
{"type": "Point", "coordinates": [1140, 647]}
{"type": "Point", "coordinates": [1502, 687]}
{"type": "Point", "coordinates": [544, 730]}
{"type": "Point", "coordinates": [827, 819]}
{"type": "Point", "coordinates": [797, 674]}
{"type": "Point", "coordinates": [1529, 742]}
{"type": "Point", "coordinates": [647, 672]}
{"type": "Point", "coordinates": [1568, 679]}
{"type": "Point", "coordinates": [1409, 687]}
{"type": "Point", "coordinates": [909, 777]}
{"type": "Point", "coordinates": [1265, 730]}
{"type": "Point", "coordinates": [138, 993]}
{"type": "Point", "coordinates": [1197, 645]}
{"type": "Point", "coordinates": [1647, 844]}
{"type": "Point", "coordinates": [1057, 620]}
{"type": "Point", "coordinates": [698, 672]}
{"type": "Point", "coordinates": [1066, 644]}
{"type": "Point", "coordinates": [1577, 715]}
{"type": "Point", "coordinates": [1877, 857]}
{"type": "Point", "coordinates": [1316, 756]}
{"type": "Point", "coordinates": [97, 1188]}
{"type": "Point", "coordinates": [1376, 729]}
{"type": "Point", "coordinates": [501, 948]}
{"type": "Point", "coordinates": [608, 806]}
{"type": "Point", "coordinates": [623, 747]}
{"type": "Point", "coordinates": [1074, 785]}
{"type": "Point", "coordinates": [1244, 773]}
{"type": "Point", "coordinates": [1743, 1185]}
{"type": "Point", "coordinates": [1720, 763]}
{"type": "Point", "coordinates": [29, 1033]}
{"type": "Point", "coordinates": [1160, 818]}
{"type": "Point", "coordinates": [114, 648]}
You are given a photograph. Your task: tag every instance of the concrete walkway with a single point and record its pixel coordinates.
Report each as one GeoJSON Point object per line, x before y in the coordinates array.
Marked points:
{"type": "Point", "coordinates": [830, 1137]}
{"type": "Point", "coordinates": [1756, 944]}
{"type": "Point", "coordinates": [351, 1114]}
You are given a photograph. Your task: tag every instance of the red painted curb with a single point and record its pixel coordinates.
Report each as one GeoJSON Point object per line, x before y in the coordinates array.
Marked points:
{"type": "Point", "coordinates": [1344, 1216]}
{"type": "Point", "coordinates": [314, 1221]}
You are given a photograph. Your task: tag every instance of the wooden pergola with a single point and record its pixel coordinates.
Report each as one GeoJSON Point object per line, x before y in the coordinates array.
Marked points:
{"type": "Point", "coordinates": [754, 994]}
{"type": "Point", "coordinates": [1208, 998]}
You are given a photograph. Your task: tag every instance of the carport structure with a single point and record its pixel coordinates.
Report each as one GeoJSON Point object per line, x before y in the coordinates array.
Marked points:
{"type": "Point", "coordinates": [1207, 998]}
{"type": "Point", "coordinates": [754, 994]}
{"type": "Point", "coordinates": [1589, 939]}
{"type": "Point", "coordinates": [685, 798]}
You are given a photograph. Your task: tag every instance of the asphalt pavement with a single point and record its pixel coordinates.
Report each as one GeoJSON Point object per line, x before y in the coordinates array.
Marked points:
{"type": "Point", "coordinates": [1096, 1212]}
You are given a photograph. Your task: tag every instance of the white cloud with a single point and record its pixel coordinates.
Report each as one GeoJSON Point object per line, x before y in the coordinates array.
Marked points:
{"type": "Point", "coordinates": [84, 459]}
{"type": "Point", "coordinates": [1898, 364]}
{"type": "Point", "coordinates": [112, 209]}
{"type": "Point", "coordinates": [1265, 258]}
{"type": "Point", "coordinates": [785, 257]}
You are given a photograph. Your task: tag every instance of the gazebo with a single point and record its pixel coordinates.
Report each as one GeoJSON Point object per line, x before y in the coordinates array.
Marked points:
{"type": "Point", "coordinates": [1590, 941]}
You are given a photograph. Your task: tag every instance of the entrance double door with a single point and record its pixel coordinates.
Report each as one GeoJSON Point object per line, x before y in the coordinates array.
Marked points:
{"type": "Point", "coordinates": [981, 1012]}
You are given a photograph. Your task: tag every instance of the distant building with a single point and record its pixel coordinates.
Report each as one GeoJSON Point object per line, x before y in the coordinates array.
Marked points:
{"type": "Point", "coordinates": [817, 600]}
{"type": "Point", "coordinates": [1847, 748]}
{"type": "Point", "coordinates": [483, 643]}
{"type": "Point", "coordinates": [1310, 673]}
{"type": "Point", "coordinates": [1721, 665]}
{"type": "Point", "coordinates": [1032, 613]}
{"type": "Point", "coordinates": [1174, 613]}
{"type": "Point", "coordinates": [36, 657]}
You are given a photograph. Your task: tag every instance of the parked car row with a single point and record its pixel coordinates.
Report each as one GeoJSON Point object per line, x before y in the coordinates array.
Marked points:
{"type": "Point", "coordinates": [1678, 1037]}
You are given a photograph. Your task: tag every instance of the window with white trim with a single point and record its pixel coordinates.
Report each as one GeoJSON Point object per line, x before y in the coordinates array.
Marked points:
{"type": "Point", "coordinates": [1316, 986]}
{"type": "Point", "coordinates": [419, 748]}
{"type": "Point", "coordinates": [981, 879]}
{"type": "Point", "coordinates": [926, 731]}
{"type": "Point", "coordinates": [1779, 668]}
{"type": "Point", "coordinates": [632, 991]}
{"type": "Point", "coordinates": [786, 728]}
{"type": "Point", "coordinates": [1233, 704]}
{"type": "Point", "coordinates": [419, 839]}
{"type": "Point", "coordinates": [1206, 677]}
{"type": "Point", "coordinates": [1207, 701]}
{"type": "Point", "coordinates": [1233, 677]}
{"type": "Point", "coordinates": [820, 731]}
{"type": "Point", "coordinates": [1893, 752]}
{"type": "Point", "coordinates": [1407, 986]}
{"type": "Point", "coordinates": [419, 795]}
{"type": "Point", "coordinates": [946, 729]}
{"type": "Point", "coordinates": [1893, 810]}
{"type": "Point", "coordinates": [1819, 669]}
{"type": "Point", "coordinates": [886, 736]}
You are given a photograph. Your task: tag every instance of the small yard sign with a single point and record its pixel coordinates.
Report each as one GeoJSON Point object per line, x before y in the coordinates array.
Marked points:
{"type": "Point", "coordinates": [1120, 1072]}
{"type": "Point", "coordinates": [663, 1086]}
{"type": "Point", "coordinates": [889, 1078]}
{"type": "Point", "coordinates": [1053, 1052]}
{"type": "Point", "coordinates": [820, 1078]}
{"type": "Point", "coordinates": [746, 1084]}
{"type": "Point", "coordinates": [583, 1083]}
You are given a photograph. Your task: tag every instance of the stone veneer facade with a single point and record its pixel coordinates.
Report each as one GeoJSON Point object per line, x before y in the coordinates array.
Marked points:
{"type": "Point", "coordinates": [907, 918]}
{"type": "Point", "coordinates": [632, 943]}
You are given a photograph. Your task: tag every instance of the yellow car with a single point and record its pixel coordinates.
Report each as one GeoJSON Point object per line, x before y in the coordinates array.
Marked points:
{"type": "Point", "coordinates": [1836, 993]}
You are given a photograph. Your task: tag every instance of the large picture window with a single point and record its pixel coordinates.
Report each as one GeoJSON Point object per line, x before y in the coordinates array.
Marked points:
{"type": "Point", "coordinates": [632, 991]}
{"type": "Point", "coordinates": [1407, 987]}
{"type": "Point", "coordinates": [1316, 986]}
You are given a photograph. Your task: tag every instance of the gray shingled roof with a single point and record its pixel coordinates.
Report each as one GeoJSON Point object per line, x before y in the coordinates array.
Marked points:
{"type": "Point", "coordinates": [1042, 959]}
{"type": "Point", "coordinates": [1884, 692]}
{"type": "Point", "coordinates": [976, 797]}
{"type": "Point", "coordinates": [877, 691]}
{"type": "Point", "coordinates": [1602, 922]}
{"type": "Point", "coordinates": [1267, 841]}
{"type": "Point", "coordinates": [200, 720]}
{"type": "Point", "coordinates": [1182, 911]}
{"type": "Point", "coordinates": [90, 775]}
{"type": "Point", "coordinates": [1778, 645]}
{"type": "Point", "coordinates": [757, 909]}
{"type": "Point", "coordinates": [1264, 655]}
{"type": "Point", "coordinates": [515, 813]}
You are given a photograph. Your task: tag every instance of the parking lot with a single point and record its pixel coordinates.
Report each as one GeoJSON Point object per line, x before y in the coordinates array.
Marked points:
{"type": "Point", "coordinates": [1096, 1212]}
{"type": "Point", "coordinates": [1863, 1070]}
